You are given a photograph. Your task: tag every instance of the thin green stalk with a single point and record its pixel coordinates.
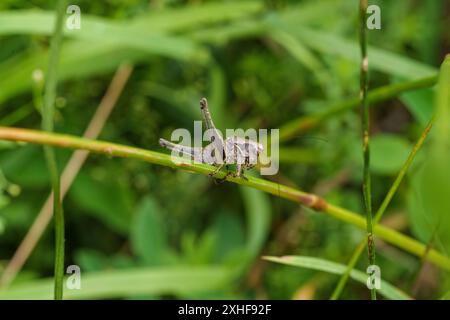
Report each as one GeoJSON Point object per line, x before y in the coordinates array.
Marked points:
{"type": "Point", "coordinates": [381, 210]}
{"type": "Point", "coordinates": [305, 123]}
{"type": "Point", "coordinates": [47, 125]}
{"type": "Point", "coordinates": [307, 199]}
{"type": "Point", "coordinates": [364, 85]}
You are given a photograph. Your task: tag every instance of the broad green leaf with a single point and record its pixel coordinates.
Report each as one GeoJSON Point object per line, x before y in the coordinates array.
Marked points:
{"type": "Point", "coordinates": [92, 260]}
{"type": "Point", "coordinates": [107, 200]}
{"type": "Point", "coordinates": [25, 166]}
{"type": "Point", "coordinates": [388, 153]}
{"type": "Point", "coordinates": [387, 290]}
{"type": "Point", "coordinates": [17, 215]}
{"type": "Point", "coordinates": [197, 16]}
{"type": "Point", "coordinates": [196, 249]}
{"type": "Point", "coordinates": [425, 201]}
{"type": "Point", "coordinates": [301, 53]}
{"type": "Point", "coordinates": [418, 103]}
{"type": "Point", "coordinates": [297, 50]}
{"type": "Point", "coordinates": [258, 211]}
{"type": "Point", "coordinates": [441, 134]}
{"type": "Point", "coordinates": [429, 203]}
{"type": "Point", "coordinates": [166, 20]}
{"type": "Point", "coordinates": [226, 224]}
{"type": "Point", "coordinates": [148, 233]}
{"type": "Point", "coordinates": [180, 280]}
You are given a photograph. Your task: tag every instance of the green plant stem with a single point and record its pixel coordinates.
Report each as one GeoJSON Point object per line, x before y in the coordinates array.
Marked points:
{"type": "Point", "coordinates": [364, 85]}
{"type": "Point", "coordinates": [305, 123]}
{"type": "Point", "coordinates": [47, 125]}
{"type": "Point", "coordinates": [381, 210]}
{"type": "Point", "coordinates": [307, 199]}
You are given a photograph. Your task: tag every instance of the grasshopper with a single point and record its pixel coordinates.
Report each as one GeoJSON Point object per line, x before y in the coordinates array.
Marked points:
{"type": "Point", "coordinates": [242, 152]}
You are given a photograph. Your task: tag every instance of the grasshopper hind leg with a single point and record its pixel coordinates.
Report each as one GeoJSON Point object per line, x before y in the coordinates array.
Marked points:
{"type": "Point", "coordinates": [212, 174]}
{"type": "Point", "coordinates": [222, 180]}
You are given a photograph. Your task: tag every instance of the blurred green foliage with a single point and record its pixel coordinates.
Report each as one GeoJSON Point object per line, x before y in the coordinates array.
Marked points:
{"type": "Point", "coordinates": [147, 231]}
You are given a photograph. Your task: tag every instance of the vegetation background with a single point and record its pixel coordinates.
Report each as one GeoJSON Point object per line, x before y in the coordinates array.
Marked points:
{"type": "Point", "coordinates": [144, 231]}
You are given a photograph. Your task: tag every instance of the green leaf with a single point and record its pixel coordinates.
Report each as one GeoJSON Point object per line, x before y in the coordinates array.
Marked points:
{"type": "Point", "coordinates": [388, 153]}
{"type": "Point", "coordinates": [148, 233]}
{"type": "Point", "coordinates": [441, 133]}
{"type": "Point", "coordinates": [26, 167]}
{"type": "Point", "coordinates": [180, 280]}
{"type": "Point", "coordinates": [301, 53]}
{"type": "Point", "coordinates": [418, 103]}
{"type": "Point", "coordinates": [224, 225]}
{"type": "Point", "coordinates": [107, 200]}
{"type": "Point", "coordinates": [197, 16]}
{"type": "Point", "coordinates": [429, 203]}
{"type": "Point", "coordinates": [106, 31]}
{"type": "Point", "coordinates": [17, 215]}
{"type": "Point", "coordinates": [168, 20]}
{"type": "Point", "coordinates": [258, 210]}
{"type": "Point", "coordinates": [198, 249]}
{"type": "Point", "coordinates": [380, 60]}
{"type": "Point", "coordinates": [387, 290]}
{"type": "Point", "coordinates": [92, 260]}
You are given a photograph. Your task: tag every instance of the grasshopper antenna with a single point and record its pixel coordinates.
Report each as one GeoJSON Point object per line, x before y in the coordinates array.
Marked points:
{"type": "Point", "coordinates": [206, 114]}
{"type": "Point", "coordinates": [217, 138]}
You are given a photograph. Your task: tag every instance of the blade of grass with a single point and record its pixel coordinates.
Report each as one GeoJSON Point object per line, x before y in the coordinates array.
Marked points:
{"type": "Point", "coordinates": [364, 85]}
{"type": "Point", "coordinates": [47, 125]}
{"type": "Point", "coordinates": [107, 32]}
{"type": "Point", "coordinates": [307, 199]}
{"type": "Point", "coordinates": [198, 16]}
{"type": "Point", "coordinates": [156, 21]}
{"type": "Point", "coordinates": [258, 211]}
{"type": "Point", "coordinates": [180, 280]}
{"type": "Point", "coordinates": [302, 54]}
{"type": "Point", "coordinates": [387, 290]}
{"type": "Point", "coordinates": [381, 60]}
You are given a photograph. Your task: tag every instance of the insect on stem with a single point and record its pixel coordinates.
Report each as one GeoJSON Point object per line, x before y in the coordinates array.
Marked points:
{"type": "Point", "coordinates": [234, 150]}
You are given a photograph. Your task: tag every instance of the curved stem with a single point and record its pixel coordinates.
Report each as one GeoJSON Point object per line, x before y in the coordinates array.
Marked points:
{"type": "Point", "coordinates": [47, 124]}
{"type": "Point", "coordinates": [367, 185]}
{"type": "Point", "coordinates": [307, 199]}
{"type": "Point", "coordinates": [305, 123]}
